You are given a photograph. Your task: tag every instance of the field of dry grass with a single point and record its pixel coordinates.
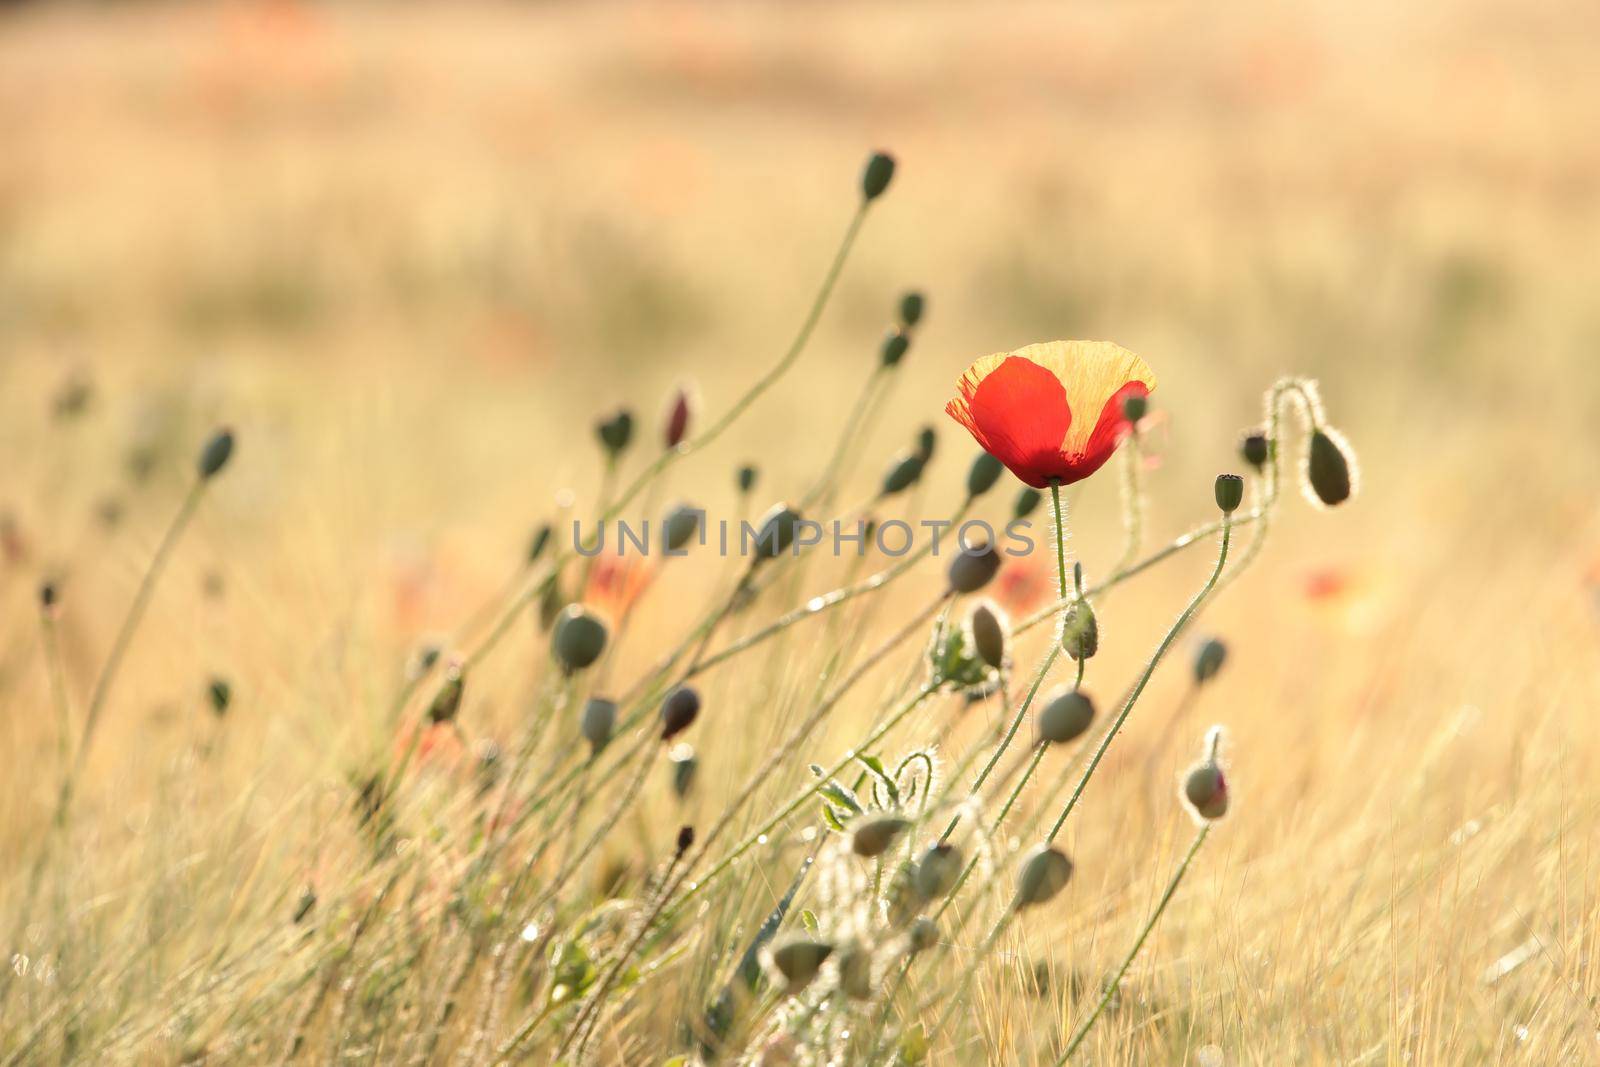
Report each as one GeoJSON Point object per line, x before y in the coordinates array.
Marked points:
{"type": "Point", "coordinates": [411, 254]}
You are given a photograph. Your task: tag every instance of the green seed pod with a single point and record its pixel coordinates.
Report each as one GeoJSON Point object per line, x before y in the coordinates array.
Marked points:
{"type": "Point", "coordinates": [221, 694]}
{"type": "Point", "coordinates": [1209, 656]}
{"type": "Point", "coordinates": [580, 638]}
{"type": "Point", "coordinates": [855, 972]}
{"type": "Point", "coordinates": [746, 478]}
{"type": "Point", "coordinates": [685, 766]}
{"type": "Point", "coordinates": [447, 701]}
{"type": "Point", "coordinates": [777, 531]}
{"type": "Point", "coordinates": [1229, 491]}
{"type": "Point", "coordinates": [872, 836]}
{"type": "Point", "coordinates": [1254, 450]}
{"type": "Point", "coordinates": [923, 936]}
{"type": "Point", "coordinates": [895, 345]}
{"type": "Point", "coordinates": [678, 711]}
{"type": "Point", "coordinates": [798, 960]}
{"type": "Point", "coordinates": [1027, 502]}
{"type": "Point", "coordinates": [938, 871]}
{"type": "Point", "coordinates": [1328, 468]}
{"type": "Point", "coordinates": [912, 306]}
{"type": "Point", "coordinates": [903, 474]}
{"type": "Point", "coordinates": [215, 455]}
{"type": "Point", "coordinates": [1044, 873]}
{"type": "Point", "coordinates": [986, 470]}
{"type": "Point", "coordinates": [1205, 791]}
{"type": "Point", "coordinates": [599, 719]}
{"type": "Point", "coordinates": [1080, 631]}
{"type": "Point", "coordinates": [927, 440]}
{"type": "Point", "coordinates": [1066, 715]}
{"type": "Point", "coordinates": [988, 634]}
{"type": "Point", "coordinates": [680, 526]}
{"type": "Point", "coordinates": [1134, 407]}
{"type": "Point", "coordinates": [615, 432]}
{"type": "Point", "coordinates": [539, 542]}
{"type": "Point", "coordinates": [974, 568]}
{"type": "Point", "coordinates": [876, 175]}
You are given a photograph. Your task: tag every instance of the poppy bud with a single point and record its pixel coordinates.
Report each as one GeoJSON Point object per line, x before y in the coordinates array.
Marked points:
{"type": "Point", "coordinates": [778, 528]}
{"type": "Point", "coordinates": [47, 597]}
{"type": "Point", "coordinates": [221, 694]}
{"type": "Point", "coordinates": [308, 901]}
{"type": "Point", "coordinates": [678, 711]}
{"type": "Point", "coordinates": [680, 526]}
{"type": "Point", "coordinates": [855, 972]}
{"type": "Point", "coordinates": [1209, 656]}
{"type": "Point", "coordinates": [895, 344]}
{"type": "Point", "coordinates": [1229, 491]}
{"type": "Point", "coordinates": [874, 835]}
{"type": "Point", "coordinates": [937, 871]}
{"type": "Point", "coordinates": [214, 456]}
{"type": "Point", "coordinates": [579, 639]}
{"type": "Point", "coordinates": [538, 543]}
{"type": "Point", "coordinates": [926, 441]}
{"type": "Point", "coordinates": [685, 765]}
{"type": "Point", "coordinates": [676, 427]}
{"type": "Point", "coordinates": [1134, 407]}
{"type": "Point", "coordinates": [616, 432]}
{"type": "Point", "coordinates": [988, 635]}
{"type": "Point", "coordinates": [1328, 468]}
{"type": "Point", "coordinates": [447, 701]}
{"type": "Point", "coordinates": [924, 934]}
{"type": "Point", "coordinates": [1205, 791]}
{"type": "Point", "coordinates": [1254, 450]}
{"type": "Point", "coordinates": [1027, 502]}
{"type": "Point", "coordinates": [1065, 717]}
{"type": "Point", "coordinates": [974, 568]}
{"type": "Point", "coordinates": [984, 473]}
{"type": "Point", "coordinates": [599, 719]}
{"type": "Point", "coordinates": [746, 478]}
{"type": "Point", "coordinates": [798, 960]}
{"type": "Point", "coordinates": [876, 176]}
{"type": "Point", "coordinates": [1080, 631]}
{"type": "Point", "coordinates": [685, 839]}
{"type": "Point", "coordinates": [903, 474]}
{"type": "Point", "coordinates": [1043, 874]}
{"type": "Point", "coordinates": [912, 305]}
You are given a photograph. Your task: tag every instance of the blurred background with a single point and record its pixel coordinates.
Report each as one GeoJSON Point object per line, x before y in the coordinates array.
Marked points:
{"type": "Point", "coordinates": [412, 252]}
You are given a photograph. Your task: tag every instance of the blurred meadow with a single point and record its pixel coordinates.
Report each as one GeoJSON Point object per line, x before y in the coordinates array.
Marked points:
{"type": "Point", "coordinates": [412, 253]}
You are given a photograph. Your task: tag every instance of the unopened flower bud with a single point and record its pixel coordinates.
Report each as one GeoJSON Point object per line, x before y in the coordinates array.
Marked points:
{"type": "Point", "coordinates": [685, 839]}
{"type": "Point", "coordinates": [927, 440]}
{"type": "Point", "coordinates": [680, 526]}
{"type": "Point", "coordinates": [599, 719]}
{"type": "Point", "coordinates": [215, 455]}
{"type": "Point", "coordinates": [615, 432]}
{"type": "Point", "coordinates": [1209, 656]}
{"type": "Point", "coordinates": [988, 634]}
{"type": "Point", "coordinates": [855, 972]}
{"type": "Point", "coordinates": [678, 711]}
{"type": "Point", "coordinates": [1205, 791]}
{"type": "Point", "coordinates": [986, 470]}
{"type": "Point", "coordinates": [221, 694]}
{"type": "Point", "coordinates": [685, 766]}
{"type": "Point", "coordinates": [1229, 491]}
{"type": "Point", "coordinates": [579, 639]}
{"type": "Point", "coordinates": [974, 568]}
{"type": "Point", "coordinates": [924, 934]}
{"type": "Point", "coordinates": [895, 344]}
{"type": "Point", "coordinates": [1328, 468]}
{"type": "Point", "coordinates": [539, 542]}
{"type": "Point", "coordinates": [48, 596]}
{"type": "Point", "coordinates": [912, 306]}
{"type": "Point", "coordinates": [447, 701]}
{"type": "Point", "coordinates": [1044, 873]}
{"type": "Point", "coordinates": [1027, 502]}
{"type": "Point", "coordinates": [1080, 631]}
{"type": "Point", "coordinates": [746, 478]}
{"type": "Point", "coordinates": [937, 871]}
{"type": "Point", "coordinates": [1134, 407]}
{"type": "Point", "coordinates": [305, 905]}
{"type": "Point", "coordinates": [1066, 715]}
{"type": "Point", "coordinates": [903, 474]}
{"type": "Point", "coordinates": [877, 174]}
{"type": "Point", "coordinates": [777, 531]}
{"type": "Point", "coordinates": [798, 960]}
{"type": "Point", "coordinates": [873, 836]}
{"type": "Point", "coordinates": [1254, 450]}
{"type": "Point", "coordinates": [676, 426]}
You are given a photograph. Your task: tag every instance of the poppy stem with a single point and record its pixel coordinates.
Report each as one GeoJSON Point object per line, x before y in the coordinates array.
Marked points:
{"type": "Point", "coordinates": [1061, 538]}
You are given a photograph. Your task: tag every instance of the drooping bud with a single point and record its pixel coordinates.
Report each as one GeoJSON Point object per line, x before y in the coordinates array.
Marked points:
{"type": "Point", "coordinates": [988, 634]}
{"type": "Point", "coordinates": [1044, 873]}
{"type": "Point", "coordinates": [855, 972]}
{"type": "Point", "coordinates": [685, 765]}
{"type": "Point", "coordinates": [1328, 472]}
{"type": "Point", "coordinates": [1027, 502]}
{"type": "Point", "coordinates": [777, 531]}
{"type": "Point", "coordinates": [903, 474]}
{"type": "Point", "coordinates": [1080, 631]}
{"type": "Point", "coordinates": [579, 639]}
{"type": "Point", "coordinates": [676, 426]}
{"type": "Point", "coordinates": [1205, 791]}
{"type": "Point", "coordinates": [875, 177]}
{"type": "Point", "coordinates": [895, 344]}
{"type": "Point", "coordinates": [1066, 715]}
{"type": "Point", "coordinates": [937, 871]}
{"type": "Point", "coordinates": [539, 542]}
{"type": "Point", "coordinates": [599, 719]}
{"type": "Point", "coordinates": [678, 711]}
{"type": "Point", "coordinates": [680, 526]}
{"type": "Point", "coordinates": [746, 478]}
{"type": "Point", "coordinates": [215, 455]}
{"type": "Point", "coordinates": [1254, 449]}
{"type": "Point", "coordinates": [48, 596]}
{"type": "Point", "coordinates": [924, 934]}
{"type": "Point", "coordinates": [798, 959]}
{"type": "Point", "coordinates": [685, 839]}
{"type": "Point", "coordinates": [221, 695]}
{"type": "Point", "coordinates": [1134, 407]}
{"type": "Point", "coordinates": [447, 701]}
{"type": "Point", "coordinates": [985, 471]}
{"type": "Point", "coordinates": [1229, 491]}
{"type": "Point", "coordinates": [616, 432]}
{"type": "Point", "coordinates": [912, 306]}
{"type": "Point", "coordinates": [873, 835]}
{"type": "Point", "coordinates": [974, 568]}
{"type": "Point", "coordinates": [927, 440]}
{"type": "Point", "coordinates": [1209, 656]}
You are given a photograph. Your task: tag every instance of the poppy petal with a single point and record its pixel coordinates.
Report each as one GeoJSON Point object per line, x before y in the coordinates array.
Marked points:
{"type": "Point", "coordinates": [1109, 430]}
{"type": "Point", "coordinates": [1017, 410]}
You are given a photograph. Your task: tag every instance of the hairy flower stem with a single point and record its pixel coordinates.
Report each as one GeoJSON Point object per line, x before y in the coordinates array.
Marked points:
{"type": "Point", "coordinates": [1127, 961]}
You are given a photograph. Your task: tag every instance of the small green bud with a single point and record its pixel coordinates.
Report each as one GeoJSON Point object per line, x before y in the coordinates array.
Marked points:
{"type": "Point", "coordinates": [903, 474]}
{"type": "Point", "coordinates": [615, 432]}
{"type": "Point", "coordinates": [988, 634]}
{"type": "Point", "coordinates": [1328, 468]}
{"type": "Point", "coordinates": [579, 639]}
{"type": "Point", "coordinates": [855, 972]}
{"type": "Point", "coordinates": [927, 440]}
{"type": "Point", "coordinates": [685, 767]}
{"type": "Point", "coordinates": [599, 719]}
{"type": "Point", "coordinates": [680, 526]}
{"type": "Point", "coordinates": [746, 478]}
{"type": "Point", "coordinates": [539, 542]}
{"type": "Point", "coordinates": [678, 711]}
{"type": "Point", "coordinates": [1205, 791]}
{"type": "Point", "coordinates": [1066, 715]}
{"type": "Point", "coordinates": [1209, 656]}
{"type": "Point", "coordinates": [777, 531]}
{"type": "Point", "coordinates": [974, 568]}
{"type": "Point", "coordinates": [447, 701]}
{"type": "Point", "coordinates": [1254, 450]}
{"type": "Point", "coordinates": [1080, 631]}
{"type": "Point", "coordinates": [215, 455]}
{"type": "Point", "coordinates": [937, 871]}
{"type": "Point", "coordinates": [895, 345]}
{"type": "Point", "coordinates": [912, 306]}
{"type": "Point", "coordinates": [798, 959]}
{"type": "Point", "coordinates": [1230, 492]}
{"type": "Point", "coordinates": [1044, 873]}
{"type": "Point", "coordinates": [1134, 407]}
{"type": "Point", "coordinates": [49, 595]}
{"type": "Point", "coordinates": [302, 908]}
{"type": "Point", "coordinates": [221, 694]}
{"type": "Point", "coordinates": [877, 174]}
{"type": "Point", "coordinates": [676, 426]}
{"type": "Point", "coordinates": [685, 839]}
{"type": "Point", "coordinates": [923, 936]}
{"type": "Point", "coordinates": [1027, 502]}
{"type": "Point", "coordinates": [986, 470]}
{"type": "Point", "coordinates": [873, 835]}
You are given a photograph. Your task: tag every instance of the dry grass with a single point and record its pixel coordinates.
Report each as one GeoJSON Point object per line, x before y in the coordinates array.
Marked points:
{"type": "Point", "coordinates": [410, 253]}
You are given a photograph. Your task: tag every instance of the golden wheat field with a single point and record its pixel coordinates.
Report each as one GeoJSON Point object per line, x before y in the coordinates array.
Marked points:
{"type": "Point", "coordinates": [321, 770]}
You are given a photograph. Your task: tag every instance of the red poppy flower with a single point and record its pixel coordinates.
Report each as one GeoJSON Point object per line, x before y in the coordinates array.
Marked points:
{"type": "Point", "coordinates": [1052, 410]}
